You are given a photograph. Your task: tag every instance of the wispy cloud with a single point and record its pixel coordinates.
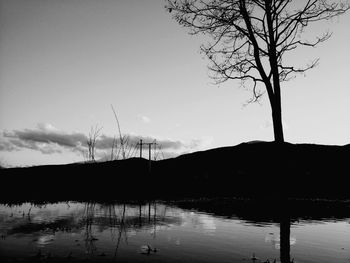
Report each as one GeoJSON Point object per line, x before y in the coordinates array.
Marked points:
{"type": "Point", "coordinates": [144, 119]}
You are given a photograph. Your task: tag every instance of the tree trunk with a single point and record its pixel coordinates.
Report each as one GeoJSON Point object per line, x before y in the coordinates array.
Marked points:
{"type": "Point", "coordinates": [275, 99]}
{"type": "Point", "coordinates": [277, 121]}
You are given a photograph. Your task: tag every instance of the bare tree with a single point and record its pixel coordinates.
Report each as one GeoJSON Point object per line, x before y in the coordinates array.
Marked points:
{"type": "Point", "coordinates": [250, 38]}
{"type": "Point", "coordinates": [91, 142]}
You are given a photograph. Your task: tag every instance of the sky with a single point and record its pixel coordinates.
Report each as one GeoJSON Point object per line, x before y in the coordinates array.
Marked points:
{"type": "Point", "coordinates": [65, 62]}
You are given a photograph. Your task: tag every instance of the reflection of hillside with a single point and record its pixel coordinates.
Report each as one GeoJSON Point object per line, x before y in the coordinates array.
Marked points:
{"type": "Point", "coordinates": [283, 213]}
{"type": "Point", "coordinates": [258, 213]}
{"type": "Point", "coordinates": [27, 227]}
{"type": "Point", "coordinates": [148, 216]}
{"type": "Point", "coordinates": [129, 217]}
{"type": "Point", "coordinates": [115, 231]}
{"type": "Point", "coordinates": [91, 221]}
{"type": "Point", "coordinates": [88, 217]}
{"type": "Point", "coordinates": [134, 222]}
{"type": "Point", "coordinates": [122, 220]}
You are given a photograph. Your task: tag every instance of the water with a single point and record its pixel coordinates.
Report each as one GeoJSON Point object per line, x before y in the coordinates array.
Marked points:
{"type": "Point", "coordinates": [163, 232]}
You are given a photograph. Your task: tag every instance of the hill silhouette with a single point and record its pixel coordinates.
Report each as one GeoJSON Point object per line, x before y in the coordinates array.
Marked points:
{"type": "Point", "coordinates": [255, 170]}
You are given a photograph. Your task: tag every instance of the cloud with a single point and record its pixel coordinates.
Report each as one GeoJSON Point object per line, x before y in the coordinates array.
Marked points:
{"type": "Point", "coordinates": [45, 134]}
{"type": "Point", "coordinates": [46, 127]}
{"type": "Point", "coordinates": [144, 119]}
{"type": "Point", "coordinates": [106, 142]}
{"type": "Point", "coordinates": [47, 139]}
{"type": "Point", "coordinates": [16, 145]}
{"type": "Point", "coordinates": [7, 146]}
{"type": "Point", "coordinates": [44, 138]}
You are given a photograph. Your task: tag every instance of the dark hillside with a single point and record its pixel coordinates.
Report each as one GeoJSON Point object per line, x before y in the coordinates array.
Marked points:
{"type": "Point", "coordinates": [263, 169]}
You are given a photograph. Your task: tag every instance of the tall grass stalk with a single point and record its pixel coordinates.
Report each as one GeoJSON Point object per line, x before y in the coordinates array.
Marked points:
{"type": "Point", "coordinates": [121, 138]}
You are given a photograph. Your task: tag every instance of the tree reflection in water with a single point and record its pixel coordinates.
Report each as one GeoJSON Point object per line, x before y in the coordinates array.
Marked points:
{"type": "Point", "coordinates": [285, 236]}
{"type": "Point", "coordinates": [120, 230]}
{"type": "Point", "coordinates": [120, 219]}
{"type": "Point", "coordinates": [89, 214]}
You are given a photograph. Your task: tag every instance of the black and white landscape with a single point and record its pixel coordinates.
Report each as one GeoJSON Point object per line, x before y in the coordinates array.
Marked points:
{"type": "Point", "coordinates": [174, 131]}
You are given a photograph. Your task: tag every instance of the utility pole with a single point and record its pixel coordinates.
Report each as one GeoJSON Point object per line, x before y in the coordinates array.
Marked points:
{"type": "Point", "coordinates": [140, 148]}
{"type": "Point", "coordinates": [149, 151]}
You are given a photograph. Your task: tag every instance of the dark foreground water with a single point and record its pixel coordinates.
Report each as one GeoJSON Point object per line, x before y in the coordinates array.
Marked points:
{"type": "Point", "coordinates": [163, 232]}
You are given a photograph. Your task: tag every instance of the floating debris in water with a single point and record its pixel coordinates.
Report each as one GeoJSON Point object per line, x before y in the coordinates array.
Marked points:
{"type": "Point", "coordinates": [147, 249]}
{"type": "Point", "coordinates": [254, 258]}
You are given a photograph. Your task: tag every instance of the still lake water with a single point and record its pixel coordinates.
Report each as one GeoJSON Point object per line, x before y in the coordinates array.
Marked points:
{"type": "Point", "coordinates": [164, 232]}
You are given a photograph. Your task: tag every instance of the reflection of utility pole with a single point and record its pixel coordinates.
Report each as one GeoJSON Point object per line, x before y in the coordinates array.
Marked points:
{"type": "Point", "coordinates": [140, 218]}
{"type": "Point", "coordinates": [149, 211]}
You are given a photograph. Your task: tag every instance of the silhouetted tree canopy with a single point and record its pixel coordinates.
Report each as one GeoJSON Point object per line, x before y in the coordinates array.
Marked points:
{"type": "Point", "coordinates": [250, 38]}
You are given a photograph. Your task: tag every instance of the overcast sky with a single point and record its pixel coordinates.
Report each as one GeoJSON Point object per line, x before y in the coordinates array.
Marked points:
{"type": "Point", "coordinates": [64, 62]}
